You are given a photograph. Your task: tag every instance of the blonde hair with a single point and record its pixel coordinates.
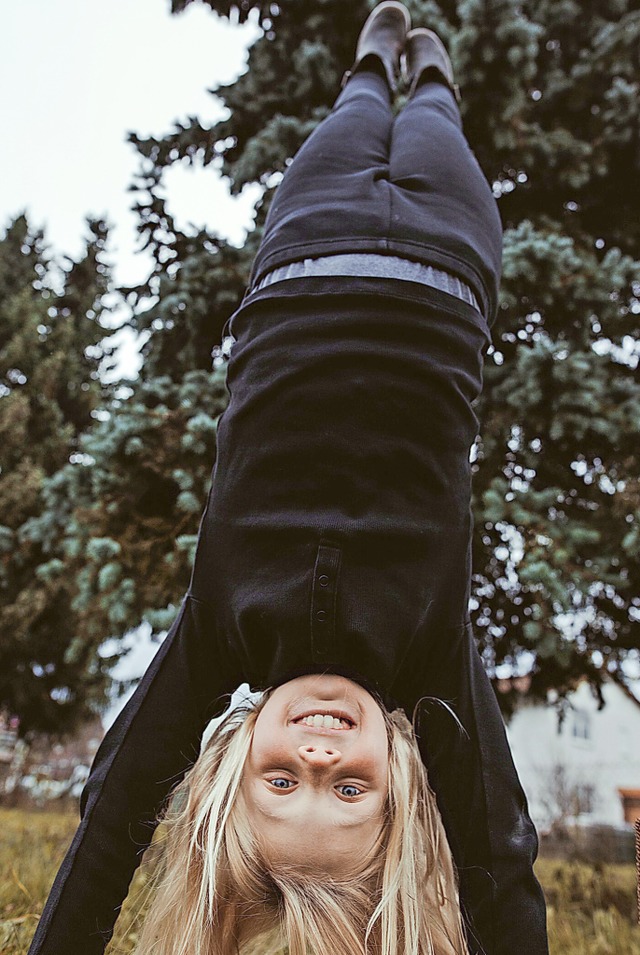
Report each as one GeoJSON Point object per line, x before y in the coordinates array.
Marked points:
{"type": "Point", "coordinates": [214, 893]}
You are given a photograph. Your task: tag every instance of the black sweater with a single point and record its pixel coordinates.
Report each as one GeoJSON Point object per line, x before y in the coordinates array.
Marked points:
{"type": "Point", "coordinates": [338, 526]}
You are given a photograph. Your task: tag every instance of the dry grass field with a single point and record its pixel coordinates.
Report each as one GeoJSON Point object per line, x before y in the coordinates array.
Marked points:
{"type": "Point", "coordinates": [591, 908]}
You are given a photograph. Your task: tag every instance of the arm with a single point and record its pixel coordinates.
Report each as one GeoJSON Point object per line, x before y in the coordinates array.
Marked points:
{"type": "Point", "coordinates": [483, 806]}
{"type": "Point", "coordinates": [149, 748]}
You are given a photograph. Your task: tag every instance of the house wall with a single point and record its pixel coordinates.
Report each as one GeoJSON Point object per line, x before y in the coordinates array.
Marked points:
{"type": "Point", "coordinates": [576, 768]}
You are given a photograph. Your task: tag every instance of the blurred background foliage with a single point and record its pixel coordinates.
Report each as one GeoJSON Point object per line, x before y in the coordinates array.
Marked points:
{"type": "Point", "coordinates": [102, 487]}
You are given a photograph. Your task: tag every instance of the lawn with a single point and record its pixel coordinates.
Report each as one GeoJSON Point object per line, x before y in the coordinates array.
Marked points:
{"type": "Point", "coordinates": [592, 909]}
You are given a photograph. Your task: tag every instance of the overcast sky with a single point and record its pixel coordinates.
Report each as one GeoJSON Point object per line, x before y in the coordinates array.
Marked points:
{"type": "Point", "coordinates": [77, 76]}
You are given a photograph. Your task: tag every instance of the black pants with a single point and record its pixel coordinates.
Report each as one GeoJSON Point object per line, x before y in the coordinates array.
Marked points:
{"type": "Point", "coordinates": [409, 185]}
{"type": "Point", "coordinates": [301, 526]}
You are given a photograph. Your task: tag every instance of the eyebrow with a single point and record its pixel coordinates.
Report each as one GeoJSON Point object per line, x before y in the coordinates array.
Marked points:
{"type": "Point", "coordinates": [359, 768]}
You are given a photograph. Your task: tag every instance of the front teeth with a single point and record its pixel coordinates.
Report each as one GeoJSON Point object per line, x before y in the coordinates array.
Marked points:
{"type": "Point", "coordinates": [326, 720]}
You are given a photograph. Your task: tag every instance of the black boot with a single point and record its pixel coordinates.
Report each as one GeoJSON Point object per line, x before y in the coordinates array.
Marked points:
{"type": "Point", "coordinates": [383, 36]}
{"type": "Point", "coordinates": [424, 51]}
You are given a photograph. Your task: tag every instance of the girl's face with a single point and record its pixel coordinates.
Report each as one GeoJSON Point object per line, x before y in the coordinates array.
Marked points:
{"type": "Point", "coordinates": [315, 782]}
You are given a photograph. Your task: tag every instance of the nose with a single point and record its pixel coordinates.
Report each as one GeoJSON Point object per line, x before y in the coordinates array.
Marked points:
{"type": "Point", "coordinates": [319, 757]}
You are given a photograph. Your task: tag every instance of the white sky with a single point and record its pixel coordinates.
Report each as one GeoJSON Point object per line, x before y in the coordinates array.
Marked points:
{"type": "Point", "coordinates": [77, 76]}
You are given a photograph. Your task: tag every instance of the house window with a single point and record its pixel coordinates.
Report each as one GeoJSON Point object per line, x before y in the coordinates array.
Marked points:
{"type": "Point", "coordinates": [630, 804]}
{"type": "Point", "coordinates": [583, 798]}
{"type": "Point", "coordinates": [581, 725]}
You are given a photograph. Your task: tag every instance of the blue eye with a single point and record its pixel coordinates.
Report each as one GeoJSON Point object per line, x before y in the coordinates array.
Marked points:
{"type": "Point", "coordinates": [350, 790]}
{"type": "Point", "coordinates": [281, 782]}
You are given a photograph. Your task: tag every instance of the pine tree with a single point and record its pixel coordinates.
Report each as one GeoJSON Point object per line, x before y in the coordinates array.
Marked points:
{"type": "Point", "coordinates": [50, 350]}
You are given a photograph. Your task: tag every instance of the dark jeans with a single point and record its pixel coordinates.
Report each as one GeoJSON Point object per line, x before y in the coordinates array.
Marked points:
{"type": "Point", "coordinates": [338, 521]}
{"type": "Point", "coordinates": [366, 181]}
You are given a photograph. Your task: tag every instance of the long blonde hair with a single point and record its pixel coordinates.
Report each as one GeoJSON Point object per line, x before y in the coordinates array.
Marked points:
{"type": "Point", "coordinates": [214, 893]}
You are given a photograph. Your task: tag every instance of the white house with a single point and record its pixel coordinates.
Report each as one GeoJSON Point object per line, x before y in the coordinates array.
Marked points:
{"type": "Point", "coordinates": [584, 769]}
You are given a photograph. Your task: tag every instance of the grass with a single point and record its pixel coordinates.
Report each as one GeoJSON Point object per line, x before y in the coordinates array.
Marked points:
{"type": "Point", "coordinates": [31, 849]}
{"type": "Point", "coordinates": [591, 908]}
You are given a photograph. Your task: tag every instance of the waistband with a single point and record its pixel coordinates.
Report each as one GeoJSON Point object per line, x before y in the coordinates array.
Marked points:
{"type": "Point", "coordinates": [371, 264]}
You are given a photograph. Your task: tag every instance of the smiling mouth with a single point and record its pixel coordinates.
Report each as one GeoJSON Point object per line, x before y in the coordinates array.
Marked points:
{"type": "Point", "coordinates": [332, 720]}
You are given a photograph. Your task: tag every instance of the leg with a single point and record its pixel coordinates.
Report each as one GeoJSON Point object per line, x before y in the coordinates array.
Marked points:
{"type": "Point", "coordinates": [340, 166]}
{"type": "Point", "coordinates": [440, 197]}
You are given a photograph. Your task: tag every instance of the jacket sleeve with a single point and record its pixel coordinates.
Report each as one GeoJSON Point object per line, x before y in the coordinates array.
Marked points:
{"type": "Point", "coordinates": [483, 805]}
{"type": "Point", "coordinates": [145, 753]}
